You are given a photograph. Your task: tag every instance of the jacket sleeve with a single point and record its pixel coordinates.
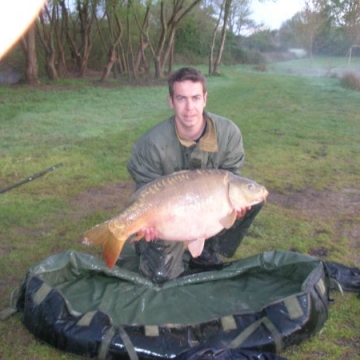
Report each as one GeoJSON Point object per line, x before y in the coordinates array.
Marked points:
{"type": "Point", "coordinates": [144, 165]}
{"type": "Point", "coordinates": [231, 143]}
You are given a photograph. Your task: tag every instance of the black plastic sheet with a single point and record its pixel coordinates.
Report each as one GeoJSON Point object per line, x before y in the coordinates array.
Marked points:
{"type": "Point", "coordinates": [347, 277]}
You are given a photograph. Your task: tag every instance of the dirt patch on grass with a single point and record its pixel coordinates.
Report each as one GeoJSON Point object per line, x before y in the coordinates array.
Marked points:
{"type": "Point", "coordinates": [323, 203]}
{"type": "Point", "coordinates": [110, 198]}
{"type": "Point", "coordinates": [338, 208]}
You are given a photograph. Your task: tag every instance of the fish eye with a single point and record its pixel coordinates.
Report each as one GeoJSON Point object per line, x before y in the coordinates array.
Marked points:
{"type": "Point", "coordinates": [251, 187]}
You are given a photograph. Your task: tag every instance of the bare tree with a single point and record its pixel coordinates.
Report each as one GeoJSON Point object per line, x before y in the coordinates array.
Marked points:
{"type": "Point", "coordinates": [310, 21]}
{"type": "Point", "coordinates": [130, 53]}
{"type": "Point", "coordinates": [28, 43]}
{"type": "Point", "coordinates": [143, 39]}
{"type": "Point", "coordinates": [223, 18]}
{"type": "Point", "coordinates": [347, 13]}
{"type": "Point", "coordinates": [80, 49]}
{"type": "Point", "coordinates": [168, 26]}
{"type": "Point", "coordinates": [239, 16]}
{"type": "Point", "coordinates": [115, 35]}
{"type": "Point", "coordinates": [45, 29]}
{"type": "Point", "coordinates": [213, 41]}
{"type": "Point", "coordinates": [61, 65]}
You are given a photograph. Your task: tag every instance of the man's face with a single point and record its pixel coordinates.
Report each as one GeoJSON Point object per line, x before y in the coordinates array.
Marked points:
{"type": "Point", "coordinates": [188, 103]}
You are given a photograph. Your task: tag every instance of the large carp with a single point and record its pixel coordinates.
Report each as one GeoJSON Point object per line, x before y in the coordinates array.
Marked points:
{"type": "Point", "coordinates": [188, 206]}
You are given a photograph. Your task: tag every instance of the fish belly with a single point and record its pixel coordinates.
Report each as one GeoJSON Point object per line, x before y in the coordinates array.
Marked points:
{"type": "Point", "coordinates": [192, 222]}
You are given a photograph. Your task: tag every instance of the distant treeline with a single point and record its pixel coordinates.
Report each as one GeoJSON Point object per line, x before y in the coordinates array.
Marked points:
{"type": "Point", "coordinates": [133, 38]}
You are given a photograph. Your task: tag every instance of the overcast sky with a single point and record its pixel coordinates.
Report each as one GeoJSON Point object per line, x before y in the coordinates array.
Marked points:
{"type": "Point", "coordinates": [273, 14]}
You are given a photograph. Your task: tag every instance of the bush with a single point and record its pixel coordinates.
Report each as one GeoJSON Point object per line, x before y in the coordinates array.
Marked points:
{"type": "Point", "coordinates": [261, 67]}
{"type": "Point", "coordinates": [351, 81]}
{"type": "Point", "coordinates": [254, 57]}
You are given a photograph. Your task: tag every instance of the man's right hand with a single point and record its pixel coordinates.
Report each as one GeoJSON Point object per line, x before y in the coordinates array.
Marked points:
{"type": "Point", "coordinates": [149, 234]}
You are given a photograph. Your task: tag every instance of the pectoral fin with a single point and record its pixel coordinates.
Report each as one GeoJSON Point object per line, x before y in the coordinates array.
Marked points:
{"type": "Point", "coordinates": [196, 247]}
{"type": "Point", "coordinates": [228, 221]}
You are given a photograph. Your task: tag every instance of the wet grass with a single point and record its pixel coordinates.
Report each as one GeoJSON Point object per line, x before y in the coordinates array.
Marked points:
{"type": "Point", "coordinates": [299, 133]}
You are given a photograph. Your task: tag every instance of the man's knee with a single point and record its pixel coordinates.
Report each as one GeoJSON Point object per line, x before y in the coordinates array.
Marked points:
{"type": "Point", "coordinates": [161, 260]}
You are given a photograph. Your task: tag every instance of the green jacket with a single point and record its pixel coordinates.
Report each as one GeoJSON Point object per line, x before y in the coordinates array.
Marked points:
{"type": "Point", "coordinates": [160, 151]}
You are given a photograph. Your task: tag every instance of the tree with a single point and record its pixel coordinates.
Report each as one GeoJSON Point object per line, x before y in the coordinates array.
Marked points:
{"type": "Point", "coordinates": [80, 47]}
{"type": "Point", "coordinates": [287, 32]}
{"type": "Point", "coordinates": [31, 65]}
{"type": "Point", "coordinates": [223, 20]}
{"type": "Point", "coordinates": [310, 21]}
{"type": "Point", "coordinates": [130, 52]}
{"type": "Point", "coordinates": [115, 29]}
{"type": "Point", "coordinates": [239, 16]}
{"type": "Point", "coordinates": [346, 14]}
{"type": "Point", "coordinates": [168, 26]}
{"type": "Point", "coordinates": [331, 39]}
{"type": "Point", "coordinates": [194, 34]}
{"type": "Point", "coordinates": [143, 39]}
{"type": "Point", "coordinates": [212, 45]}
{"type": "Point", "coordinates": [45, 29]}
{"type": "Point", "coordinates": [133, 33]}
{"type": "Point", "coordinates": [233, 16]}
{"type": "Point", "coordinates": [262, 41]}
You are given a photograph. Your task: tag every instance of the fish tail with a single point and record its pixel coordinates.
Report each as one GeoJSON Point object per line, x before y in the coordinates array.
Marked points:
{"type": "Point", "coordinates": [112, 246]}
{"type": "Point", "coordinates": [96, 235]}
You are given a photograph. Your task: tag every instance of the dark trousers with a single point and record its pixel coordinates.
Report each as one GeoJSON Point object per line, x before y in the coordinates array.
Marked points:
{"type": "Point", "coordinates": [163, 260]}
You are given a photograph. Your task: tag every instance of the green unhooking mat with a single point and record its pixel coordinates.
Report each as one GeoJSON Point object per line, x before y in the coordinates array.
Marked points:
{"type": "Point", "coordinates": [265, 302]}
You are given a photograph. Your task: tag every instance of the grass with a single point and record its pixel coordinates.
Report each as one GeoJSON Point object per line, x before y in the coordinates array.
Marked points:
{"type": "Point", "coordinates": [299, 133]}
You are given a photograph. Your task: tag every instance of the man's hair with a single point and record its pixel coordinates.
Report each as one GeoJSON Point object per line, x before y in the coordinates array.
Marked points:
{"type": "Point", "coordinates": [186, 73]}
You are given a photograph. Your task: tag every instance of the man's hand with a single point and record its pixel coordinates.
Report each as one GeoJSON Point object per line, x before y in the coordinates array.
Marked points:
{"type": "Point", "coordinates": [241, 213]}
{"type": "Point", "coordinates": [149, 234]}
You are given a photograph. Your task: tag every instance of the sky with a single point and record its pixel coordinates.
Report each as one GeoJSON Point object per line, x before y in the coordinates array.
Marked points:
{"type": "Point", "coordinates": [273, 14]}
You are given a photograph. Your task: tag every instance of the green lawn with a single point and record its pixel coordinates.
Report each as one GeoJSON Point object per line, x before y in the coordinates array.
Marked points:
{"type": "Point", "coordinates": [302, 141]}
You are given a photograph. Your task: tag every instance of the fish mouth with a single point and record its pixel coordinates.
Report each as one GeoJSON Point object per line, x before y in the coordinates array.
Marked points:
{"type": "Point", "coordinates": [265, 195]}
{"type": "Point", "coordinates": [261, 198]}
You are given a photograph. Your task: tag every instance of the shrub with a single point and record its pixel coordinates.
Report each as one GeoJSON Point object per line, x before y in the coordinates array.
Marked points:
{"type": "Point", "coordinates": [261, 67]}
{"type": "Point", "coordinates": [350, 80]}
